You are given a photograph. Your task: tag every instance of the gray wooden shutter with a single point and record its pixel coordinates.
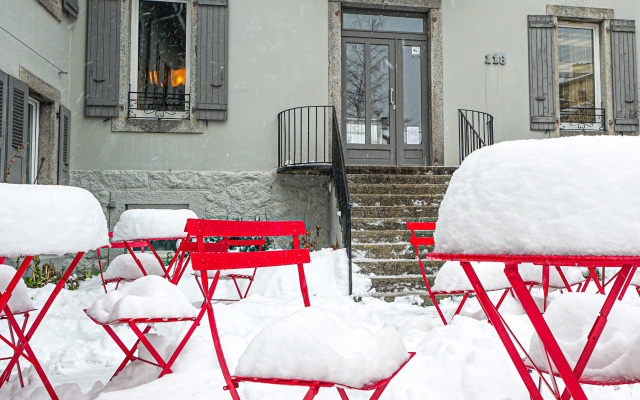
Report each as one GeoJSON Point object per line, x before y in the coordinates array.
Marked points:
{"type": "Point", "coordinates": [71, 7]}
{"type": "Point", "coordinates": [64, 137]}
{"type": "Point", "coordinates": [211, 52]}
{"type": "Point", "coordinates": [17, 129]}
{"type": "Point", "coordinates": [103, 58]}
{"type": "Point", "coordinates": [4, 84]}
{"type": "Point", "coordinates": [542, 85]}
{"type": "Point", "coordinates": [625, 75]}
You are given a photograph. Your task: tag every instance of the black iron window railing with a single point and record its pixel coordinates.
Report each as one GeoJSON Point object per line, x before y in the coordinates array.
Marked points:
{"type": "Point", "coordinates": [475, 130]}
{"type": "Point", "coordinates": [582, 119]}
{"type": "Point", "coordinates": [159, 105]}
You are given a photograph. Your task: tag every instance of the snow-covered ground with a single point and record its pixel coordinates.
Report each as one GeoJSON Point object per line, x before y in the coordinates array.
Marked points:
{"type": "Point", "coordinates": [464, 360]}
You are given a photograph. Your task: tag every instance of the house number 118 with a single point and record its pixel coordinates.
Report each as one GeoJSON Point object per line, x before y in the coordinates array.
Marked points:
{"type": "Point", "coordinates": [495, 58]}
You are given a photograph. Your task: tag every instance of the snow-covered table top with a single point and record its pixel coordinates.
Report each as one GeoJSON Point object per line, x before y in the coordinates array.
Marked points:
{"type": "Point", "coordinates": [152, 224]}
{"type": "Point", "coordinates": [576, 196]}
{"type": "Point", "coordinates": [43, 219]}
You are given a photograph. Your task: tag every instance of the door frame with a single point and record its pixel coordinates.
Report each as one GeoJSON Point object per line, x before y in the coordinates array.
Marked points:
{"type": "Point", "coordinates": [396, 40]}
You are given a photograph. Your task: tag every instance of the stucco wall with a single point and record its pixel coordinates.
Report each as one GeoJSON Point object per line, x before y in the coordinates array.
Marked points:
{"type": "Point", "coordinates": [277, 59]}
{"type": "Point", "coordinates": [473, 29]}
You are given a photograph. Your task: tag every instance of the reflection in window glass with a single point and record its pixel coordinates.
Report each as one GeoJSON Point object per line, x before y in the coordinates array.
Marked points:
{"type": "Point", "coordinates": [162, 44]}
{"type": "Point", "coordinates": [412, 97]}
{"type": "Point", "coordinates": [355, 96]}
{"type": "Point", "coordinates": [382, 23]}
{"type": "Point", "coordinates": [380, 94]}
{"type": "Point", "coordinates": [576, 70]}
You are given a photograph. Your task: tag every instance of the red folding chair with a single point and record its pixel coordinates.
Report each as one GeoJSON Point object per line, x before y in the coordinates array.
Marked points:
{"type": "Point", "coordinates": [218, 262]}
{"type": "Point", "coordinates": [133, 323]}
{"type": "Point", "coordinates": [120, 245]}
{"type": "Point", "coordinates": [423, 240]}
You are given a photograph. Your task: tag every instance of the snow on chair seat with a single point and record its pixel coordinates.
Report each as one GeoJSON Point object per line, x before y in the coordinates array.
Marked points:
{"type": "Point", "coordinates": [44, 220]}
{"type": "Point", "coordinates": [216, 262]}
{"type": "Point", "coordinates": [614, 360]}
{"type": "Point", "coordinates": [125, 268]}
{"type": "Point", "coordinates": [146, 301]}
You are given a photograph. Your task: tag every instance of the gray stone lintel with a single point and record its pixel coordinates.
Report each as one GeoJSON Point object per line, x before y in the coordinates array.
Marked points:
{"type": "Point", "coordinates": [54, 7]}
{"type": "Point", "coordinates": [401, 5]}
{"type": "Point", "coordinates": [580, 13]}
{"type": "Point", "coordinates": [48, 92]}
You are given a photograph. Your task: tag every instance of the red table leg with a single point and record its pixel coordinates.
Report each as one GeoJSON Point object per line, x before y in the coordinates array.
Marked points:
{"type": "Point", "coordinates": [498, 325]}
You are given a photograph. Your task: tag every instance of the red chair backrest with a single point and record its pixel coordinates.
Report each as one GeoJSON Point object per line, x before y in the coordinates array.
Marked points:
{"type": "Point", "coordinates": [203, 260]}
{"type": "Point", "coordinates": [421, 226]}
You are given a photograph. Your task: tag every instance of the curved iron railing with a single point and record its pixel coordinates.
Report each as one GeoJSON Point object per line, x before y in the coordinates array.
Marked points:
{"type": "Point", "coordinates": [304, 137]}
{"type": "Point", "coordinates": [475, 130]}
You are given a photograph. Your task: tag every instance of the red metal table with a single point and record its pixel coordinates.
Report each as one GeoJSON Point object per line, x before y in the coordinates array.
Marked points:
{"type": "Point", "coordinates": [571, 377]}
{"type": "Point", "coordinates": [23, 349]}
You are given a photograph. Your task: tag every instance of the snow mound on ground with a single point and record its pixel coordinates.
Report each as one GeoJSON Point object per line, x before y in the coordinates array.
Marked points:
{"type": "Point", "coordinates": [151, 224]}
{"type": "Point", "coordinates": [315, 344]}
{"type": "Point", "coordinates": [573, 196]}
{"type": "Point", "coordinates": [147, 297]}
{"type": "Point", "coordinates": [570, 318]}
{"type": "Point", "coordinates": [125, 267]}
{"type": "Point", "coordinates": [42, 219]}
{"type": "Point", "coordinates": [19, 300]}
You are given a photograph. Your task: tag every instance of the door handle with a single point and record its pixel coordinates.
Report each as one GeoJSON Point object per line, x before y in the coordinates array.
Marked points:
{"type": "Point", "coordinates": [392, 100]}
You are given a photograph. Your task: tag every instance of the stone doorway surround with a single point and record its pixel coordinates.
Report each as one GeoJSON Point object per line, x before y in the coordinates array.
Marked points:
{"type": "Point", "coordinates": [433, 10]}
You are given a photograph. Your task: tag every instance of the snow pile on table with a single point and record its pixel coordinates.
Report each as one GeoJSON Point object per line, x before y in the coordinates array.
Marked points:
{"type": "Point", "coordinates": [42, 219]}
{"type": "Point", "coordinates": [576, 196]}
{"type": "Point", "coordinates": [315, 344]}
{"type": "Point", "coordinates": [125, 267]}
{"type": "Point", "coordinates": [451, 277]}
{"type": "Point", "coordinates": [19, 300]}
{"type": "Point", "coordinates": [147, 297]}
{"type": "Point", "coordinates": [615, 358]}
{"type": "Point", "coordinates": [151, 224]}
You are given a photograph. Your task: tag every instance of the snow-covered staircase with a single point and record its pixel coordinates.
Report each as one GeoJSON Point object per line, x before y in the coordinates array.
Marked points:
{"type": "Point", "coordinates": [384, 199]}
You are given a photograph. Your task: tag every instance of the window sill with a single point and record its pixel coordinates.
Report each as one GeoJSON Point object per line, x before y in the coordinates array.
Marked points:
{"type": "Point", "coordinates": [133, 125]}
{"type": "Point", "coordinates": [54, 8]}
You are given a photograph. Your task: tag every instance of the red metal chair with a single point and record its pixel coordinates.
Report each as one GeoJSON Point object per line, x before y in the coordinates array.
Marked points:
{"type": "Point", "coordinates": [417, 241]}
{"type": "Point", "coordinates": [164, 365]}
{"type": "Point", "coordinates": [218, 262]}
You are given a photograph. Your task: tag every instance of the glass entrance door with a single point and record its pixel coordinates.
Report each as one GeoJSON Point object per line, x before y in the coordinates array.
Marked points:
{"type": "Point", "coordinates": [384, 98]}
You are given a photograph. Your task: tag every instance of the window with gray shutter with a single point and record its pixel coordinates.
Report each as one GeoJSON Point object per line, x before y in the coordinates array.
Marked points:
{"type": "Point", "coordinates": [4, 83]}
{"type": "Point", "coordinates": [211, 53]}
{"type": "Point", "coordinates": [17, 130]}
{"type": "Point", "coordinates": [103, 58]}
{"type": "Point", "coordinates": [71, 7]}
{"type": "Point", "coordinates": [625, 75]}
{"type": "Point", "coordinates": [542, 85]}
{"type": "Point", "coordinates": [64, 137]}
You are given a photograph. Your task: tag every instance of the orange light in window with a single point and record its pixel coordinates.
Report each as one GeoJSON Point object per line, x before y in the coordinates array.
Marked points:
{"type": "Point", "coordinates": [178, 77]}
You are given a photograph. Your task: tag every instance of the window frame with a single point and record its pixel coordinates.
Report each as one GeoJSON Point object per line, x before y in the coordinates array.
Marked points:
{"type": "Point", "coordinates": [595, 34]}
{"type": "Point", "coordinates": [134, 49]}
{"type": "Point", "coordinates": [34, 136]}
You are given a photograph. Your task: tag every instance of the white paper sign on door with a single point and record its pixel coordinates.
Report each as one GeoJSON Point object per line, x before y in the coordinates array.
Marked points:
{"type": "Point", "coordinates": [413, 135]}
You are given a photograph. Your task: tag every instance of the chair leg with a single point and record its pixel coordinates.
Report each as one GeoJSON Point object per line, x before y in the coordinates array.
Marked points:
{"type": "Point", "coordinates": [378, 392]}
{"type": "Point", "coordinates": [313, 391]}
{"type": "Point", "coordinates": [343, 394]}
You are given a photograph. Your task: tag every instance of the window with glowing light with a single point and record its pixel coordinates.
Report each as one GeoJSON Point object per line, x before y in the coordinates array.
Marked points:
{"type": "Point", "coordinates": [160, 79]}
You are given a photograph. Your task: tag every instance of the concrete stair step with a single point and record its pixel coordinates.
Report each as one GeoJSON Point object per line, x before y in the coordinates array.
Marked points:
{"type": "Point", "coordinates": [383, 224]}
{"type": "Point", "coordinates": [354, 179]}
{"type": "Point", "coordinates": [408, 189]}
{"type": "Point", "coordinates": [397, 212]}
{"type": "Point", "coordinates": [390, 285]}
{"type": "Point", "coordinates": [400, 251]}
{"type": "Point", "coordinates": [375, 236]}
{"type": "Point", "coordinates": [432, 170]}
{"type": "Point", "coordinates": [385, 199]}
{"type": "Point", "coordinates": [398, 267]}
